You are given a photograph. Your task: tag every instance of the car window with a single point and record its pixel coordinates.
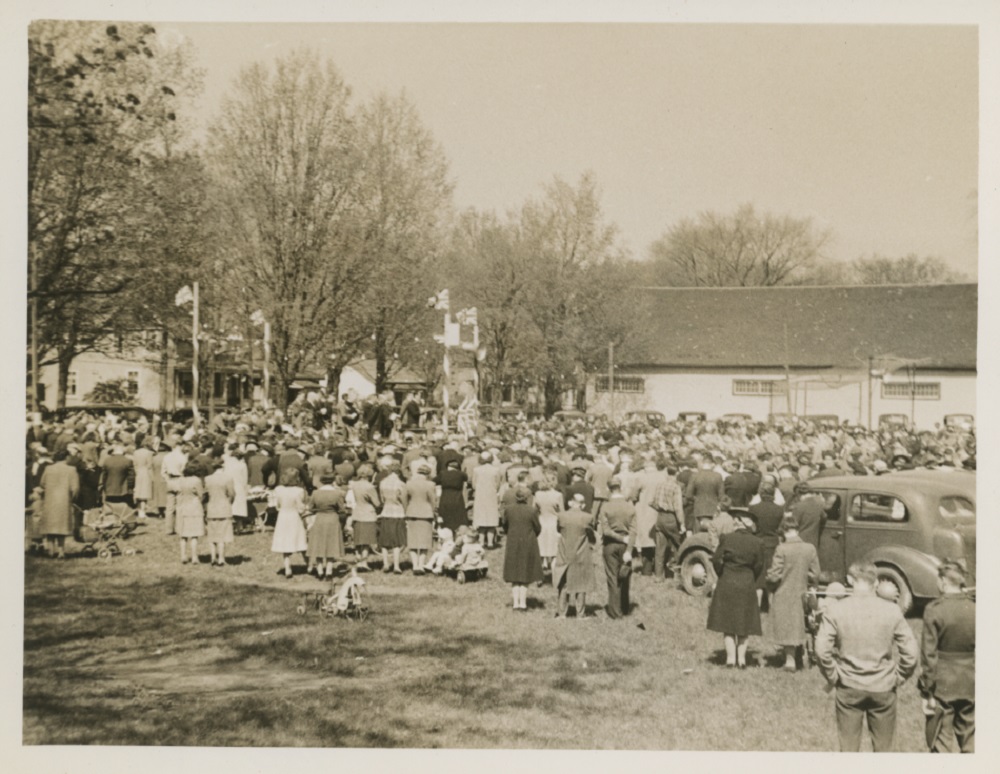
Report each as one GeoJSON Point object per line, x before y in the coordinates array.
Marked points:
{"type": "Point", "coordinates": [831, 504]}
{"type": "Point", "coordinates": [884, 509]}
{"type": "Point", "coordinates": [957, 509]}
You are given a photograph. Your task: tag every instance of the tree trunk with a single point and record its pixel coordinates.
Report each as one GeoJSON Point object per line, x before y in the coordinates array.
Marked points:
{"type": "Point", "coordinates": [381, 375]}
{"type": "Point", "coordinates": [164, 367]}
{"type": "Point", "coordinates": [64, 361]}
{"type": "Point", "coordinates": [553, 396]}
{"type": "Point", "coordinates": [333, 383]}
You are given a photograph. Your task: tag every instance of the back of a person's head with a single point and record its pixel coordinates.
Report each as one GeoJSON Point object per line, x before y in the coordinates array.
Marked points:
{"type": "Point", "coordinates": [864, 572]}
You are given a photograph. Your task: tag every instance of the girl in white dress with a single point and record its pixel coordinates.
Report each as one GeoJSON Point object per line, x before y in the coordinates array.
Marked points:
{"type": "Point", "coordinates": [290, 530]}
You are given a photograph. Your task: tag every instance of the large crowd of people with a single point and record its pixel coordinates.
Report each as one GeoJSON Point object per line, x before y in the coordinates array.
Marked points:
{"type": "Point", "coordinates": [369, 484]}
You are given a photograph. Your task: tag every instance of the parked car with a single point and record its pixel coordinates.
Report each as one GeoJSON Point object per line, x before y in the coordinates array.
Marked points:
{"type": "Point", "coordinates": [692, 416]}
{"type": "Point", "coordinates": [736, 418]}
{"type": "Point", "coordinates": [963, 421]}
{"type": "Point", "coordinates": [126, 412]}
{"type": "Point", "coordinates": [655, 418]}
{"type": "Point", "coordinates": [780, 420]}
{"type": "Point", "coordinates": [906, 523]}
{"type": "Point", "coordinates": [894, 420]}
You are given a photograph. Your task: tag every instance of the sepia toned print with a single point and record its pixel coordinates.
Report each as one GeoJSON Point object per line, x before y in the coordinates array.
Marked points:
{"type": "Point", "coordinates": [446, 385]}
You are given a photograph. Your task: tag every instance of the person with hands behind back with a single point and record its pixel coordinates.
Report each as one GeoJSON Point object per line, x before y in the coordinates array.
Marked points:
{"type": "Point", "coordinates": [854, 648]}
{"type": "Point", "coordinates": [618, 533]}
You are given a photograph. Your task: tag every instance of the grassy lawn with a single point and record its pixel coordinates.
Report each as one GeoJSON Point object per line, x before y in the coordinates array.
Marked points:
{"type": "Point", "coordinates": [142, 651]}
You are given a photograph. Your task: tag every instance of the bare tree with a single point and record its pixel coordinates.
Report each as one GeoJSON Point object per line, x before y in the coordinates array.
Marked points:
{"type": "Point", "coordinates": [284, 158]}
{"type": "Point", "coordinates": [908, 270]}
{"type": "Point", "coordinates": [739, 250]}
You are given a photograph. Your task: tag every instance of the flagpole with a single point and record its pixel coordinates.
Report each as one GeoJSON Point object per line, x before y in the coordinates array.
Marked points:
{"type": "Point", "coordinates": [194, 359]}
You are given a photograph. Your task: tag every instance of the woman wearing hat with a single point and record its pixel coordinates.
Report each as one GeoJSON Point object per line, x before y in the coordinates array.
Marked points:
{"type": "Point", "coordinates": [794, 566]}
{"type": "Point", "coordinates": [422, 503]}
{"type": "Point", "coordinates": [452, 509]}
{"type": "Point", "coordinates": [326, 537]}
{"type": "Point", "coordinates": [739, 563]}
{"type": "Point", "coordinates": [522, 563]}
{"type": "Point", "coordinates": [142, 461]}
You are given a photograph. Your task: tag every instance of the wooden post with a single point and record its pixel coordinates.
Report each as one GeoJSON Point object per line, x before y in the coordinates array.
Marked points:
{"type": "Point", "coordinates": [33, 284]}
{"type": "Point", "coordinates": [871, 365]}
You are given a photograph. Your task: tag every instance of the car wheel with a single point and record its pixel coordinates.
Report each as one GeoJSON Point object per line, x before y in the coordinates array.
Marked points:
{"type": "Point", "coordinates": [697, 574]}
{"type": "Point", "coordinates": [892, 585]}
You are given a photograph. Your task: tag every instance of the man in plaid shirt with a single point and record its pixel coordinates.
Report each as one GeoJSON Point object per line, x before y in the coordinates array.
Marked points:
{"type": "Point", "coordinates": [668, 532]}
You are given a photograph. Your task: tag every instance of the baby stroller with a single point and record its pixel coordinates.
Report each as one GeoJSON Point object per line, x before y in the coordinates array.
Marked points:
{"type": "Point", "coordinates": [104, 528]}
{"type": "Point", "coordinates": [347, 603]}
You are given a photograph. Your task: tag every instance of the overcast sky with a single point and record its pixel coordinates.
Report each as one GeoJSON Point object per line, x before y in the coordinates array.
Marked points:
{"type": "Point", "coordinates": [872, 131]}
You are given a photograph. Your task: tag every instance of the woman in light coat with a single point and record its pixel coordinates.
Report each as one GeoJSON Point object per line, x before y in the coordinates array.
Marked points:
{"type": "Point", "coordinates": [485, 505]}
{"type": "Point", "coordinates": [795, 564]}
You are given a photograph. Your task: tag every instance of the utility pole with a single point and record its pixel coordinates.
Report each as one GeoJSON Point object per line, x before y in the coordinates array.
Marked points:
{"type": "Point", "coordinates": [871, 365]}
{"type": "Point", "coordinates": [788, 375]}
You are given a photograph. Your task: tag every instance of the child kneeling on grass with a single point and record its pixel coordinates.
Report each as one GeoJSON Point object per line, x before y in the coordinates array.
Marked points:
{"type": "Point", "coordinates": [472, 552]}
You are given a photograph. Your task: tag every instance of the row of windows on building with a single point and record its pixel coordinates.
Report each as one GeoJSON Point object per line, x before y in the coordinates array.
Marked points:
{"type": "Point", "coordinates": [771, 387]}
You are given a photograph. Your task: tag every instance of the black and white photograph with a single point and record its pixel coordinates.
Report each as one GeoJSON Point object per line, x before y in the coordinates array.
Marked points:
{"type": "Point", "coordinates": [579, 380]}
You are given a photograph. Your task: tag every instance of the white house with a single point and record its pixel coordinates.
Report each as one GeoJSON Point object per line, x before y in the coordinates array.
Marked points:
{"type": "Point", "coordinates": [853, 352]}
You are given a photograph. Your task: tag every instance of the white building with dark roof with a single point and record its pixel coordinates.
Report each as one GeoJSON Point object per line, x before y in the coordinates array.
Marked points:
{"type": "Point", "coordinates": [853, 352]}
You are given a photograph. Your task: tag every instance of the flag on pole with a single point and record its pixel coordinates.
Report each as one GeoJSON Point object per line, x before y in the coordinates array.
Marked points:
{"type": "Point", "coordinates": [184, 296]}
{"type": "Point", "coordinates": [468, 316]}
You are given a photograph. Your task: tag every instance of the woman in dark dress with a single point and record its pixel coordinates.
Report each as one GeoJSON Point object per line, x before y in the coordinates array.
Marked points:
{"type": "Point", "coordinates": [522, 562]}
{"type": "Point", "coordinates": [739, 563]}
{"type": "Point", "coordinates": [769, 515]}
{"type": "Point", "coordinates": [452, 508]}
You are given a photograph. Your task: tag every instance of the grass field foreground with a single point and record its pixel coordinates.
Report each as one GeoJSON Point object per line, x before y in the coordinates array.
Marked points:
{"type": "Point", "coordinates": [139, 650]}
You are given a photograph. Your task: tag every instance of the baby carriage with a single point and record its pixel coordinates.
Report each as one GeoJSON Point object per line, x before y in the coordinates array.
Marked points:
{"type": "Point", "coordinates": [259, 502]}
{"type": "Point", "coordinates": [104, 528]}
{"type": "Point", "coordinates": [347, 603]}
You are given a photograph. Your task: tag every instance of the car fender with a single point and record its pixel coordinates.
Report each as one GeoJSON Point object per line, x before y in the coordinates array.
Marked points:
{"type": "Point", "coordinates": [702, 540]}
{"type": "Point", "coordinates": [919, 568]}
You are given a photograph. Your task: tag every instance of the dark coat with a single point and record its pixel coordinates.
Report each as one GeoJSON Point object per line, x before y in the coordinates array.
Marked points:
{"type": "Point", "coordinates": [948, 649]}
{"type": "Point", "coordinates": [115, 474]}
{"type": "Point", "coordinates": [522, 563]}
{"type": "Point", "coordinates": [705, 488]}
{"type": "Point", "coordinates": [739, 563]}
{"type": "Point", "coordinates": [580, 487]}
{"type": "Point", "coordinates": [740, 488]}
{"type": "Point", "coordinates": [452, 508]}
{"type": "Point", "coordinates": [769, 515]}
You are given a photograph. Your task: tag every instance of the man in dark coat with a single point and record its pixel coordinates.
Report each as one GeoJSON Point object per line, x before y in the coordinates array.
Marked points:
{"type": "Point", "coordinates": [116, 475]}
{"type": "Point", "coordinates": [947, 681]}
{"type": "Point", "coordinates": [705, 488]}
